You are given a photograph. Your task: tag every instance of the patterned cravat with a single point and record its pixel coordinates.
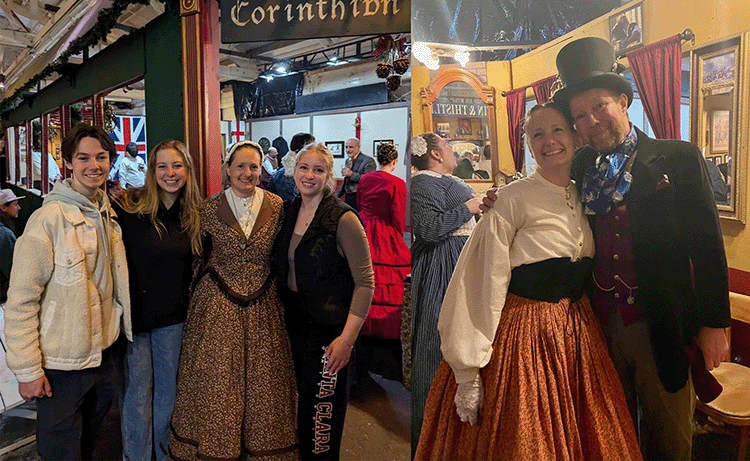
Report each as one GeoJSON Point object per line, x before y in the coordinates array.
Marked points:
{"type": "Point", "coordinates": [606, 183]}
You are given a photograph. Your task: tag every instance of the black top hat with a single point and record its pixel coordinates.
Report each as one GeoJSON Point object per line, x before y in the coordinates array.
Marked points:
{"type": "Point", "coordinates": [588, 63]}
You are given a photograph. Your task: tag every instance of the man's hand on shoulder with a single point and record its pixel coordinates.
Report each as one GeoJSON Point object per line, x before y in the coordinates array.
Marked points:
{"type": "Point", "coordinates": [488, 202]}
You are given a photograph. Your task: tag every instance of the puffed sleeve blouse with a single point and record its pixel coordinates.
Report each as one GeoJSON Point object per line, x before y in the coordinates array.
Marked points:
{"type": "Point", "coordinates": [532, 220]}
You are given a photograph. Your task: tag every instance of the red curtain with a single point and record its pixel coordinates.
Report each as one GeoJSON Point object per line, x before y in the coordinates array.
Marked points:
{"type": "Point", "coordinates": [657, 72]}
{"type": "Point", "coordinates": [516, 104]}
{"type": "Point", "coordinates": [542, 89]}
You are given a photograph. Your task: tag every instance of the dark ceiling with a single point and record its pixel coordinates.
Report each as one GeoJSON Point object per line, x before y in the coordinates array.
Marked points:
{"type": "Point", "coordinates": [494, 22]}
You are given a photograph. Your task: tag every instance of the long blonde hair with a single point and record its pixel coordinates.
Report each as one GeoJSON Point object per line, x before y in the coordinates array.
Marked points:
{"type": "Point", "coordinates": [146, 200]}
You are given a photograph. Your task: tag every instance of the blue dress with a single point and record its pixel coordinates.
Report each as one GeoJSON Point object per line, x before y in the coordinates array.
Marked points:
{"type": "Point", "coordinates": [441, 223]}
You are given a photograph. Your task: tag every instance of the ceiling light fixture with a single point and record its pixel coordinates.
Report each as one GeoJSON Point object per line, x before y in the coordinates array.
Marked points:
{"type": "Point", "coordinates": [281, 67]}
{"type": "Point", "coordinates": [2, 82]}
{"type": "Point", "coordinates": [461, 56]}
{"type": "Point", "coordinates": [425, 55]}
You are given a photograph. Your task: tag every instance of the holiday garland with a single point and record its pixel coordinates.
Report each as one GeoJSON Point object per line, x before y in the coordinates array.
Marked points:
{"type": "Point", "coordinates": [394, 55]}
{"type": "Point", "coordinates": [106, 20]}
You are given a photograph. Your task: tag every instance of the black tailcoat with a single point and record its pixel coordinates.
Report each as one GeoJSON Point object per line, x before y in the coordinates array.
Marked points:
{"type": "Point", "coordinates": [673, 225]}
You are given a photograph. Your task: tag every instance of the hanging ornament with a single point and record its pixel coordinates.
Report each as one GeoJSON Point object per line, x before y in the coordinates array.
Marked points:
{"type": "Point", "coordinates": [109, 117]}
{"type": "Point", "coordinates": [393, 54]}
{"type": "Point", "coordinates": [357, 127]}
{"type": "Point", "coordinates": [401, 65]}
{"type": "Point", "coordinates": [383, 70]}
{"type": "Point", "coordinates": [393, 82]}
{"type": "Point", "coordinates": [383, 45]}
{"type": "Point", "coordinates": [51, 131]}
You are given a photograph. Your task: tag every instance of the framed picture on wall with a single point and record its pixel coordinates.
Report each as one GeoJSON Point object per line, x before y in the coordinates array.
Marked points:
{"type": "Point", "coordinates": [719, 68]}
{"type": "Point", "coordinates": [464, 127]}
{"type": "Point", "coordinates": [336, 148]}
{"type": "Point", "coordinates": [719, 131]}
{"type": "Point", "coordinates": [626, 28]}
{"type": "Point", "coordinates": [377, 143]}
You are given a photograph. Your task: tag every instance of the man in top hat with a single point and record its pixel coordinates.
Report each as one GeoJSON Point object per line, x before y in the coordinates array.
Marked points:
{"type": "Point", "coordinates": [660, 277]}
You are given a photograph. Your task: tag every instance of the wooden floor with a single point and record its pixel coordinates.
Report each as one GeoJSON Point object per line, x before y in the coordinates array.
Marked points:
{"type": "Point", "coordinates": [377, 428]}
{"type": "Point", "coordinates": [377, 425]}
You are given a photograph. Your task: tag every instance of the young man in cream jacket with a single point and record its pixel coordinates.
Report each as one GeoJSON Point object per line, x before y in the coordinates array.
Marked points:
{"type": "Point", "coordinates": [68, 303]}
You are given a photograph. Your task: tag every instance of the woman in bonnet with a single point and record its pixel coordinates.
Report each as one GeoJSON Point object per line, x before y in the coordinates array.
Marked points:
{"type": "Point", "coordinates": [236, 392]}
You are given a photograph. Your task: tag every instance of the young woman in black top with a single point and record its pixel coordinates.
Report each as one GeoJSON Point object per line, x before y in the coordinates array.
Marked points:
{"type": "Point", "coordinates": [160, 226]}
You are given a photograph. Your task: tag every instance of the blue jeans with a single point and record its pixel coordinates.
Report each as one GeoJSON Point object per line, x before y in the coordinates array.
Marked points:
{"type": "Point", "coordinates": [150, 388]}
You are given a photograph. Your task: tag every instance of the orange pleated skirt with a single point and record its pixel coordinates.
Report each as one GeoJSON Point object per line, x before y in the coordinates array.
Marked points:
{"type": "Point", "coordinates": [551, 393]}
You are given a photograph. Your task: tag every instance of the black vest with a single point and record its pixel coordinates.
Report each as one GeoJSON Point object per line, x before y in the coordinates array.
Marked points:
{"type": "Point", "coordinates": [324, 281]}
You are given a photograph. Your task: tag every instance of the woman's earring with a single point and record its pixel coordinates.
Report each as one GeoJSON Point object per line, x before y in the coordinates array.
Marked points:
{"type": "Point", "coordinates": [440, 160]}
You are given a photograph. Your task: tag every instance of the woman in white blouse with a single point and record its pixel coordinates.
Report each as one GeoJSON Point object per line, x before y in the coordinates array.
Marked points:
{"type": "Point", "coordinates": [526, 373]}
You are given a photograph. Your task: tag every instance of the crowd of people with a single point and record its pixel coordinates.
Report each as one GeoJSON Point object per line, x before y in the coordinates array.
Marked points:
{"type": "Point", "coordinates": [227, 326]}
{"type": "Point", "coordinates": [549, 319]}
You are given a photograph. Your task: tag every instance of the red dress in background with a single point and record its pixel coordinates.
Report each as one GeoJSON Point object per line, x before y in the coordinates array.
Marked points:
{"type": "Point", "coordinates": [381, 198]}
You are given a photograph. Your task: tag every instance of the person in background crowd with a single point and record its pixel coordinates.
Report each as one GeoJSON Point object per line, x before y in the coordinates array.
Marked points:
{"type": "Point", "coordinates": [513, 318]}
{"type": "Point", "coordinates": [464, 168]}
{"type": "Point", "coordinates": [381, 197]}
{"type": "Point", "coordinates": [357, 165]}
{"type": "Point", "coordinates": [475, 158]}
{"type": "Point", "coordinates": [68, 302]}
{"type": "Point", "coordinates": [270, 165]}
{"type": "Point", "coordinates": [281, 147]}
{"type": "Point", "coordinates": [442, 212]}
{"type": "Point", "coordinates": [9, 209]}
{"type": "Point", "coordinates": [485, 165]}
{"type": "Point", "coordinates": [53, 171]}
{"type": "Point", "coordinates": [160, 229]}
{"type": "Point", "coordinates": [324, 266]}
{"type": "Point", "coordinates": [131, 169]}
{"type": "Point", "coordinates": [236, 392]}
{"type": "Point", "coordinates": [718, 184]}
{"type": "Point", "coordinates": [282, 183]}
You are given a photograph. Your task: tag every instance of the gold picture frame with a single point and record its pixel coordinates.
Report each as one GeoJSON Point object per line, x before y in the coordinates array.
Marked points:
{"type": "Point", "coordinates": [719, 107]}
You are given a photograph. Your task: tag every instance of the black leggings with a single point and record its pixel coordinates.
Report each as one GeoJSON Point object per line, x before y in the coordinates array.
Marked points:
{"type": "Point", "coordinates": [322, 397]}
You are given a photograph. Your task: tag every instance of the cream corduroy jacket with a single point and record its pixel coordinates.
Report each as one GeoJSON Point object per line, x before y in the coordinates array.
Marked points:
{"type": "Point", "coordinates": [53, 316]}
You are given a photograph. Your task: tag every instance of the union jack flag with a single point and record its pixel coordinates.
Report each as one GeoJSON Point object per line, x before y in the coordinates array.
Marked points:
{"type": "Point", "coordinates": [128, 129]}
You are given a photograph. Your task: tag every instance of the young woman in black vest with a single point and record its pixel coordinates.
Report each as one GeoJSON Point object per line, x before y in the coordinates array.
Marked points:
{"type": "Point", "coordinates": [327, 282]}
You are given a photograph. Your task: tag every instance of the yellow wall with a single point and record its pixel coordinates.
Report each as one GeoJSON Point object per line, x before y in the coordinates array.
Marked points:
{"type": "Point", "coordinates": [662, 18]}
{"type": "Point", "coordinates": [420, 78]}
{"type": "Point", "coordinates": [499, 77]}
{"type": "Point", "coordinates": [709, 20]}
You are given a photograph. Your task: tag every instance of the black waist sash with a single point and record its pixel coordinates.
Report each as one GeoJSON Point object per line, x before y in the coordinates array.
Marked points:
{"type": "Point", "coordinates": [552, 279]}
